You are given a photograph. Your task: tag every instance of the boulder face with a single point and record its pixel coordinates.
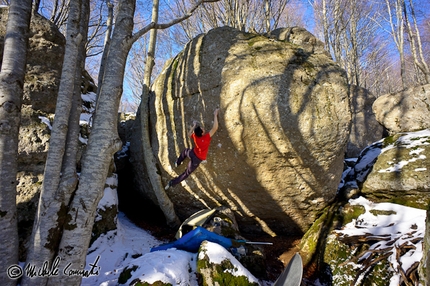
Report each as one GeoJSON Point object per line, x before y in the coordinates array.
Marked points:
{"type": "Point", "coordinates": [46, 47]}
{"type": "Point", "coordinates": [400, 173]}
{"type": "Point", "coordinates": [404, 111]}
{"type": "Point", "coordinates": [277, 157]}
{"type": "Point", "coordinates": [365, 129]}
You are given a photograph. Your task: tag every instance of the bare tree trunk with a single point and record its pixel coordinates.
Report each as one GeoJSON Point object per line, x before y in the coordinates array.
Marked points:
{"type": "Point", "coordinates": [11, 91]}
{"type": "Point", "coordinates": [103, 143]}
{"type": "Point", "coordinates": [397, 33]}
{"type": "Point", "coordinates": [150, 162]}
{"type": "Point", "coordinates": [108, 35]}
{"type": "Point", "coordinates": [267, 15]}
{"type": "Point", "coordinates": [58, 187]}
{"type": "Point", "coordinates": [325, 26]}
{"type": "Point", "coordinates": [415, 43]}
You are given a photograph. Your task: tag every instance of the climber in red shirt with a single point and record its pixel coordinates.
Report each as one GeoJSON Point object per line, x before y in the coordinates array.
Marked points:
{"type": "Point", "coordinates": [197, 154]}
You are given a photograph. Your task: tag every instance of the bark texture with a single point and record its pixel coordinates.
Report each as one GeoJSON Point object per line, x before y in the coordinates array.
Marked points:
{"type": "Point", "coordinates": [102, 144]}
{"type": "Point", "coordinates": [11, 92]}
{"type": "Point", "coordinates": [60, 169]}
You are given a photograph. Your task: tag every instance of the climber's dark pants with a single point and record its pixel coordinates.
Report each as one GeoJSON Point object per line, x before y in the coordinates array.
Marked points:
{"type": "Point", "coordinates": [192, 165]}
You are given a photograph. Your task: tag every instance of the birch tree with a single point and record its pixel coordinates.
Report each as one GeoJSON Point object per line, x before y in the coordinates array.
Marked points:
{"type": "Point", "coordinates": [397, 25]}
{"type": "Point", "coordinates": [102, 144]}
{"type": "Point", "coordinates": [11, 92]}
{"type": "Point", "coordinates": [60, 178]}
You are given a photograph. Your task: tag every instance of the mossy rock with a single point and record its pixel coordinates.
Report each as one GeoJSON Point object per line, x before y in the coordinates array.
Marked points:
{"type": "Point", "coordinates": [342, 262]}
{"type": "Point", "coordinates": [211, 273]}
{"type": "Point", "coordinates": [337, 262]}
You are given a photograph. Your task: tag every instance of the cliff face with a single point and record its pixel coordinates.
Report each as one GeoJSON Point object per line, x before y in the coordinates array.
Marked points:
{"type": "Point", "coordinates": [277, 157]}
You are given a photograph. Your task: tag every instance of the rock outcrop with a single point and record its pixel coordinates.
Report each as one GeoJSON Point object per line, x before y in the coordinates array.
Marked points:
{"type": "Point", "coordinates": [276, 159]}
{"type": "Point", "coordinates": [404, 111]}
{"type": "Point", "coordinates": [401, 171]}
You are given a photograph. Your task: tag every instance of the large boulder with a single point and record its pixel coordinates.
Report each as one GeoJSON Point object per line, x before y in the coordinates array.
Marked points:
{"type": "Point", "coordinates": [404, 111]}
{"type": "Point", "coordinates": [277, 157]}
{"type": "Point", "coordinates": [365, 129]}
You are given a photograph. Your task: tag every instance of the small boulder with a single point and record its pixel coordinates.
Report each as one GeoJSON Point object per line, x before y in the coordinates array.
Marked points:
{"type": "Point", "coordinates": [401, 171]}
{"type": "Point", "coordinates": [404, 111]}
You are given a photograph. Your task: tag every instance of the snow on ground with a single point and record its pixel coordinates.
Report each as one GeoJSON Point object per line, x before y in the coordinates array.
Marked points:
{"type": "Point", "coordinates": [130, 245]}
{"type": "Point", "coordinates": [400, 225]}
{"type": "Point", "coordinates": [116, 250]}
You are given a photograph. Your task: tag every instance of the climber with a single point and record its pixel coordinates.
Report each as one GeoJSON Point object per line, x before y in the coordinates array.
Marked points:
{"type": "Point", "coordinates": [197, 154]}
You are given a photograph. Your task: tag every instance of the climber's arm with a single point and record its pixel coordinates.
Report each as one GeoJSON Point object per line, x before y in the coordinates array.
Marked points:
{"type": "Point", "coordinates": [215, 126]}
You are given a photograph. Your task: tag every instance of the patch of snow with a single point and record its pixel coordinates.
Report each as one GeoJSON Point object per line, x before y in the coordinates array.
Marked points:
{"type": "Point", "coordinates": [83, 140]}
{"type": "Point", "coordinates": [110, 196]}
{"type": "Point", "coordinates": [85, 118]}
{"type": "Point", "coordinates": [89, 97]}
{"type": "Point", "coordinates": [46, 121]}
{"type": "Point", "coordinates": [216, 254]}
{"type": "Point", "coordinates": [116, 250]}
{"type": "Point", "coordinates": [175, 267]}
{"type": "Point", "coordinates": [123, 152]}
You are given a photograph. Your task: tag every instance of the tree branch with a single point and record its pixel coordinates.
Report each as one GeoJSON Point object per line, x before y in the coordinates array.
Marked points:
{"type": "Point", "coordinates": [154, 25]}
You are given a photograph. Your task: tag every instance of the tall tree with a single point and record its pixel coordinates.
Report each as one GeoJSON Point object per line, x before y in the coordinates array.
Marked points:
{"type": "Point", "coordinates": [396, 21]}
{"type": "Point", "coordinates": [103, 142]}
{"type": "Point", "coordinates": [60, 178]}
{"type": "Point", "coordinates": [11, 92]}
{"type": "Point", "coordinates": [155, 179]}
{"type": "Point", "coordinates": [415, 43]}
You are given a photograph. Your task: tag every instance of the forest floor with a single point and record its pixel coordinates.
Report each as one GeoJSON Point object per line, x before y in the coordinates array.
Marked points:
{"type": "Point", "coordinates": [277, 255]}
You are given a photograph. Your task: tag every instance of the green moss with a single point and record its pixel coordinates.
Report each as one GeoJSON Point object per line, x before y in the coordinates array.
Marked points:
{"type": "Point", "coordinates": [382, 212]}
{"type": "Point", "coordinates": [390, 140]}
{"type": "Point", "coordinates": [254, 39]}
{"type": "Point", "coordinates": [409, 201]}
{"type": "Point", "coordinates": [352, 212]}
{"type": "Point", "coordinates": [223, 276]}
{"type": "Point", "coordinates": [221, 273]}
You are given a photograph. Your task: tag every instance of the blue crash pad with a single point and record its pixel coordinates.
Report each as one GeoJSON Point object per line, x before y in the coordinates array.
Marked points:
{"type": "Point", "coordinates": [191, 241]}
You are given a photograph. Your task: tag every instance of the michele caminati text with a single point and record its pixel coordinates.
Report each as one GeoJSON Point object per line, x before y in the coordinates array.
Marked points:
{"type": "Point", "coordinates": [46, 270]}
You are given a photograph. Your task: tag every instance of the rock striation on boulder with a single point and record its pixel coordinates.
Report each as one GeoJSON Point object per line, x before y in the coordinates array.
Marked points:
{"type": "Point", "coordinates": [277, 157]}
{"type": "Point", "coordinates": [405, 111]}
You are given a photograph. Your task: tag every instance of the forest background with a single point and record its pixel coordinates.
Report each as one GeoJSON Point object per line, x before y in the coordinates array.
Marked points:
{"type": "Point", "coordinates": [384, 45]}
